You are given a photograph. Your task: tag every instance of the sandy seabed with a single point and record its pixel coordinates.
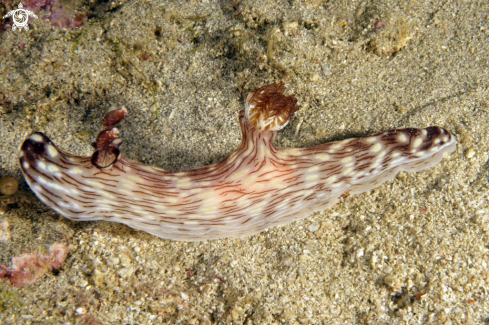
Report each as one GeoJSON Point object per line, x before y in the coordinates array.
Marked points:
{"type": "Point", "coordinates": [413, 251]}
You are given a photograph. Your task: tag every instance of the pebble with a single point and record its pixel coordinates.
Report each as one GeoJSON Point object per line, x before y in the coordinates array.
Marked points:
{"type": "Point", "coordinates": [81, 311]}
{"type": "Point", "coordinates": [288, 261]}
{"type": "Point", "coordinates": [98, 278]}
{"type": "Point", "coordinates": [470, 153]}
{"type": "Point", "coordinates": [326, 69]}
{"type": "Point", "coordinates": [126, 272]}
{"type": "Point", "coordinates": [113, 261]}
{"type": "Point", "coordinates": [4, 231]}
{"type": "Point", "coordinates": [125, 260]}
{"type": "Point", "coordinates": [8, 185]}
{"type": "Point", "coordinates": [304, 257]}
{"type": "Point", "coordinates": [313, 227]}
{"type": "Point", "coordinates": [291, 25]}
{"type": "Point", "coordinates": [184, 295]}
{"type": "Point", "coordinates": [82, 283]}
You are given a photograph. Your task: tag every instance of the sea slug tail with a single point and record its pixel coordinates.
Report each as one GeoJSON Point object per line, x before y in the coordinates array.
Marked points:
{"type": "Point", "coordinates": [387, 153]}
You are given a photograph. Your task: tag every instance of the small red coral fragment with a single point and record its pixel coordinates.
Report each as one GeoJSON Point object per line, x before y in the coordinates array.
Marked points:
{"type": "Point", "coordinates": [145, 57]}
{"type": "Point", "coordinates": [378, 24]}
{"type": "Point", "coordinates": [56, 13]}
{"type": "Point", "coordinates": [59, 252]}
{"type": "Point", "coordinates": [79, 20]}
{"type": "Point", "coordinates": [27, 268]}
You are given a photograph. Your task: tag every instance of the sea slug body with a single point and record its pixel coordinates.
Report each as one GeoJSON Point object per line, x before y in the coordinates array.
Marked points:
{"type": "Point", "coordinates": [256, 188]}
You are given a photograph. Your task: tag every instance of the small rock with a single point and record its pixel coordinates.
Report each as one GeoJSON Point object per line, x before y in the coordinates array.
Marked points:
{"type": "Point", "coordinates": [313, 227]}
{"type": "Point", "coordinates": [82, 283]}
{"type": "Point", "coordinates": [8, 185]}
{"type": "Point", "coordinates": [288, 261]}
{"type": "Point", "coordinates": [81, 311]}
{"type": "Point", "coordinates": [126, 272]}
{"type": "Point", "coordinates": [304, 257]}
{"type": "Point", "coordinates": [470, 153]}
{"type": "Point", "coordinates": [326, 69]}
{"type": "Point", "coordinates": [314, 77]}
{"type": "Point", "coordinates": [291, 25]}
{"type": "Point", "coordinates": [98, 278]}
{"type": "Point", "coordinates": [113, 261]}
{"type": "Point", "coordinates": [4, 231]}
{"type": "Point", "coordinates": [125, 260]}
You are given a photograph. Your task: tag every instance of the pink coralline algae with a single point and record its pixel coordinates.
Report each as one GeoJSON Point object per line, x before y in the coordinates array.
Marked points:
{"type": "Point", "coordinates": [27, 268]}
{"type": "Point", "coordinates": [58, 15]}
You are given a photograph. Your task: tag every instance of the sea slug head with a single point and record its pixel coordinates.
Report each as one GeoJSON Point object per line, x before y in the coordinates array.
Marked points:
{"type": "Point", "coordinates": [107, 145]}
{"type": "Point", "coordinates": [267, 108]}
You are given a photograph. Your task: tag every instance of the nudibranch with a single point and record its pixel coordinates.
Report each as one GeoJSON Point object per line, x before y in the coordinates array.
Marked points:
{"type": "Point", "coordinates": [256, 188]}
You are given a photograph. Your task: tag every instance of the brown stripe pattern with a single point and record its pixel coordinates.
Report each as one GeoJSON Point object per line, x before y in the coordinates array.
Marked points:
{"type": "Point", "coordinates": [256, 188]}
